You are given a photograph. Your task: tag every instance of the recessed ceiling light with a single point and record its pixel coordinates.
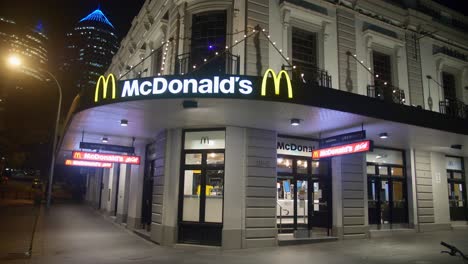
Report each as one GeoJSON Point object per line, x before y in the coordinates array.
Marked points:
{"type": "Point", "coordinates": [383, 135]}
{"type": "Point", "coordinates": [124, 122]}
{"type": "Point", "coordinates": [295, 122]}
{"type": "Point", "coordinates": [105, 140]}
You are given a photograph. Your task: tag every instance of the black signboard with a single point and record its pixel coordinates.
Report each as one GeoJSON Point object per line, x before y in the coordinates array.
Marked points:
{"type": "Point", "coordinates": [339, 139]}
{"type": "Point", "coordinates": [106, 147]}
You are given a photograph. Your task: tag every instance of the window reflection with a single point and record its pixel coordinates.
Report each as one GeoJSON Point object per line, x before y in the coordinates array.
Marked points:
{"type": "Point", "coordinates": [215, 158]}
{"type": "Point", "coordinates": [193, 158]}
{"type": "Point", "coordinates": [302, 166]}
{"type": "Point", "coordinates": [191, 195]}
{"type": "Point", "coordinates": [284, 165]}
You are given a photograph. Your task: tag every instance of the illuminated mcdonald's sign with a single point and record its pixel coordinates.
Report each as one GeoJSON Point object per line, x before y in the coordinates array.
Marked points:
{"type": "Point", "coordinates": [351, 148]}
{"type": "Point", "coordinates": [92, 156]}
{"type": "Point", "coordinates": [84, 163]}
{"type": "Point", "coordinates": [277, 82]}
{"type": "Point", "coordinates": [105, 85]}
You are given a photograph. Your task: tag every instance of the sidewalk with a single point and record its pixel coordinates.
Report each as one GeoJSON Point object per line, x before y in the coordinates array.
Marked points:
{"type": "Point", "coordinates": [77, 234]}
{"type": "Point", "coordinates": [16, 227]}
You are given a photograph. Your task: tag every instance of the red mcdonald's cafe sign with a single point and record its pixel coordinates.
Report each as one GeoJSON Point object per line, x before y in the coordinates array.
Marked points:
{"type": "Point", "coordinates": [112, 158]}
{"type": "Point", "coordinates": [85, 163]}
{"type": "Point", "coordinates": [361, 146]}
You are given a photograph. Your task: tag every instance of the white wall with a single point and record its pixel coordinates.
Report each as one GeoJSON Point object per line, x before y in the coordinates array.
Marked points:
{"type": "Point", "coordinates": [136, 188]}
{"type": "Point", "coordinates": [171, 186]}
{"type": "Point", "coordinates": [123, 189]}
{"type": "Point", "coordinates": [234, 187]}
{"type": "Point", "coordinates": [440, 189]}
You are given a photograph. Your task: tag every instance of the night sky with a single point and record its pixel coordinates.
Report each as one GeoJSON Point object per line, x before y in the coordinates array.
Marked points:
{"type": "Point", "coordinates": [59, 17]}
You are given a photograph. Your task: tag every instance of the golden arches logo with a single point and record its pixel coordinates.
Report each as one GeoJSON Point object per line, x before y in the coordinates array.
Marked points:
{"type": "Point", "coordinates": [277, 82]}
{"type": "Point", "coordinates": [105, 83]}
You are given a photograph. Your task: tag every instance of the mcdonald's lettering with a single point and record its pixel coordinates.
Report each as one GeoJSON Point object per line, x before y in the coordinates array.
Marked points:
{"type": "Point", "coordinates": [277, 82]}
{"type": "Point", "coordinates": [105, 85]}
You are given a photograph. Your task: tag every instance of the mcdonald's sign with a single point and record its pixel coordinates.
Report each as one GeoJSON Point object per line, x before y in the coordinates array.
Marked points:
{"type": "Point", "coordinates": [104, 82]}
{"type": "Point", "coordinates": [362, 146]}
{"type": "Point", "coordinates": [205, 140]}
{"type": "Point", "coordinates": [84, 163]}
{"type": "Point", "coordinates": [277, 82]}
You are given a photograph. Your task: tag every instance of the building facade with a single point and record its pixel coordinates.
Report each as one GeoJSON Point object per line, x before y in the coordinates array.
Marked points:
{"type": "Point", "coordinates": [241, 112]}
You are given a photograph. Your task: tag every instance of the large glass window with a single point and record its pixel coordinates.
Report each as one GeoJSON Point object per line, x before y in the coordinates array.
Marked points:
{"type": "Point", "coordinates": [386, 187]}
{"type": "Point", "coordinates": [304, 53]}
{"type": "Point", "coordinates": [382, 67]}
{"type": "Point", "coordinates": [208, 38]}
{"type": "Point", "coordinates": [448, 82]}
{"type": "Point", "coordinates": [202, 187]}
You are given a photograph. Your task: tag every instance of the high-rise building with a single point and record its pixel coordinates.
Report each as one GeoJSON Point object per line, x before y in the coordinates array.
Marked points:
{"type": "Point", "coordinates": [89, 50]}
{"type": "Point", "coordinates": [27, 42]}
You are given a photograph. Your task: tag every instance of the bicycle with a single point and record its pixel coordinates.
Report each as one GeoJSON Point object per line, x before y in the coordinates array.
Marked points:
{"type": "Point", "coordinates": [453, 251]}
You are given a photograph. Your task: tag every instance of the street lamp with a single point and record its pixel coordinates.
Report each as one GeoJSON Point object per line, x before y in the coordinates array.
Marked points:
{"type": "Point", "coordinates": [16, 62]}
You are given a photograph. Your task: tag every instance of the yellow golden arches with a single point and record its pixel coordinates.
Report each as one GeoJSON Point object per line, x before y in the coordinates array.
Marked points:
{"type": "Point", "coordinates": [277, 82]}
{"type": "Point", "coordinates": [105, 84]}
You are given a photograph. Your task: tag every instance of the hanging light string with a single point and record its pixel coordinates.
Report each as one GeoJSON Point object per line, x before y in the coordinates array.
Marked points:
{"type": "Point", "coordinates": [251, 31]}
{"type": "Point", "coordinates": [164, 43]}
{"type": "Point", "coordinates": [280, 51]}
{"type": "Point", "coordinates": [376, 76]}
{"type": "Point", "coordinates": [369, 69]}
{"type": "Point", "coordinates": [227, 49]}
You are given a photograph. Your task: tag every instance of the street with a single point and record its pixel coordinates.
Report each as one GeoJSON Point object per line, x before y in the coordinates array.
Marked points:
{"type": "Point", "coordinates": [70, 233]}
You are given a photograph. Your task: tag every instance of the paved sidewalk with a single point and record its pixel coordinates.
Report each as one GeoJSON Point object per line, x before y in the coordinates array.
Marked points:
{"type": "Point", "coordinates": [16, 227]}
{"type": "Point", "coordinates": [77, 234]}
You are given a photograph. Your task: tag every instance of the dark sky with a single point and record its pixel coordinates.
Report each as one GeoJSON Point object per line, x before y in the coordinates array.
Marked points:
{"type": "Point", "coordinates": [59, 17]}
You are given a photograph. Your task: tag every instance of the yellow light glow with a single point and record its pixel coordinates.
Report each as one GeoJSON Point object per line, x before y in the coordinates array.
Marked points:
{"type": "Point", "coordinates": [105, 82]}
{"type": "Point", "coordinates": [14, 61]}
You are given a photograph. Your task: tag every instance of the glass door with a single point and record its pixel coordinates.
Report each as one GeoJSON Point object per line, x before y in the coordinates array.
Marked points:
{"type": "Point", "coordinates": [303, 194]}
{"type": "Point", "coordinates": [457, 195]}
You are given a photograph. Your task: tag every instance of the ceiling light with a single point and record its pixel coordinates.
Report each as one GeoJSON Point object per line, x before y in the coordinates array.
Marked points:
{"type": "Point", "coordinates": [383, 135]}
{"type": "Point", "coordinates": [295, 122]}
{"type": "Point", "coordinates": [124, 122]}
{"type": "Point", "coordinates": [378, 157]}
{"type": "Point", "coordinates": [105, 140]}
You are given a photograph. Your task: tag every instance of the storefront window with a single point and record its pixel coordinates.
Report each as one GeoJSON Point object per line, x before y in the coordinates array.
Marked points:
{"type": "Point", "coordinates": [215, 158]}
{"type": "Point", "coordinates": [456, 190]}
{"type": "Point", "coordinates": [193, 158]}
{"type": "Point", "coordinates": [301, 166]}
{"type": "Point", "coordinates": [203, 187]}
{"type": "Point", "coordinates": [191, 195]}
{"type": "Point", "coordinates": [284, 165]}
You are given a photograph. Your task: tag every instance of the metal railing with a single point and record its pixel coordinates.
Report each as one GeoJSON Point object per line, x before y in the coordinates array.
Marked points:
{"type": "Point", "coordinates": [453, 107]}
{"type": "Point", "coordinates": [281, 216]}
{"type": "Point", "coordinates": [224, 63]}
{"type": "Point", "coordinates": [386, 93]}
{"type": "Point", "coordinates": [309, 75]}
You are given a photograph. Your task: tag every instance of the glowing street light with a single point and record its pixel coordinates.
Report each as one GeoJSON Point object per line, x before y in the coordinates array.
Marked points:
{"type": "Point", "coordinates": [15, 61]}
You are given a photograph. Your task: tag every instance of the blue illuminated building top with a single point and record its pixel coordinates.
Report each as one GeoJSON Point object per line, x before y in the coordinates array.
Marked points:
{"type": "Point", "coordinates": [98, 16]}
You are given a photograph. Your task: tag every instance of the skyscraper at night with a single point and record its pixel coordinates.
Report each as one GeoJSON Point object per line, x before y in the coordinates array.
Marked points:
{"type": "Point", "coordinates": [28, 42]}
{"type": "Point", "coordinates": [89, 50]}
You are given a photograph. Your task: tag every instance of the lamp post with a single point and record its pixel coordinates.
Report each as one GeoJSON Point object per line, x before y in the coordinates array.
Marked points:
{"type": "Point", "coordinates": [15, 61]}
